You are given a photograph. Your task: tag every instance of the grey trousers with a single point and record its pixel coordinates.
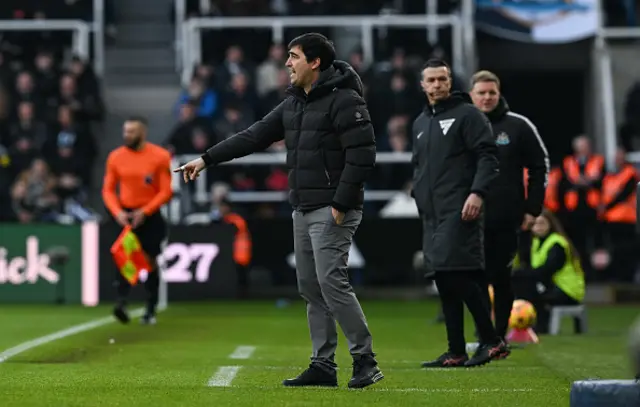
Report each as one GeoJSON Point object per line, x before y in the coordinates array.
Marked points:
{"type": "Point", "coordinates": [321, 251]}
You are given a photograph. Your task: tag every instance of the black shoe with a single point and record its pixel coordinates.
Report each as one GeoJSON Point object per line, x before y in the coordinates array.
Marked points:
{"type": "Point", "coordinates": [313, 376]}
{"type": "Point", "coordinates": [365, 372]}
{"type": "Point", "coordinates": [504, 352]}
{"type": "Point", "coordinates": [486, 353]}
{"type": "Point", "coordinates": [447, 359]}
{"type": "Point", "coordinates": [121, 314]}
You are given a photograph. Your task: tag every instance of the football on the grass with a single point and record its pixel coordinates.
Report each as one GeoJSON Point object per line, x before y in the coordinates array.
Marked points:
{"type": "Point", "coordinates": [523, 315]}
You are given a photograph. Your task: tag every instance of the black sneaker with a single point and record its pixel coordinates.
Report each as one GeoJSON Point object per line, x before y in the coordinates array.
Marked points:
{"type": "Point", "coordinates": [504, 352]}
{"type": "Point", "coordinates": [486, 353]}
{"type": "Point", "coordinates": [365, 372]}
{"type": "Point", "coordinates": [313, 376]}
{"type": "Point", "coordinates": [120, 312]}
{"type": "Point", "coordinates": [447, 359]}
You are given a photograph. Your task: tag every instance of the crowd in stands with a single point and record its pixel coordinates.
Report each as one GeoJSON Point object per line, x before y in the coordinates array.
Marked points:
{"type": "Point", "coordinates": [239, 83]}
{"type": "Point", "coordinates": [48, 102]}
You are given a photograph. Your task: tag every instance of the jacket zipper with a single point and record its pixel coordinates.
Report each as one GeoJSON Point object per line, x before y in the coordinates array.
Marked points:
{"type": "Point", "coordinates": [324, 164]}
{"type": "Point", "coordinates": [433, 208]}
{"type": "Point", "coordinates": [304, 106]}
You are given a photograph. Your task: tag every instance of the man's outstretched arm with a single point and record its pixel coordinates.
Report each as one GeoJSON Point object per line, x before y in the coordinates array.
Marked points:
{"type": "Point", "coordinates": [258, 137]}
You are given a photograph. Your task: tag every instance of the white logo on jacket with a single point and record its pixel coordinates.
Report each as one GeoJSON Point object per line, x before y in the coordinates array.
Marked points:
{"type": "Point", "coordinates": [445, 125]}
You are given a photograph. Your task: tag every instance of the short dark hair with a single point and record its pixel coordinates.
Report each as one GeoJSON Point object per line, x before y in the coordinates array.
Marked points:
{"type": "Point", "coordinates": [315, 45]}
{"type": "Point", "coordinates": [485, 76]}
{"type": "Point", "coordinates": [436, 63]}
{"type": "Point", "coordinates": [140, 119]}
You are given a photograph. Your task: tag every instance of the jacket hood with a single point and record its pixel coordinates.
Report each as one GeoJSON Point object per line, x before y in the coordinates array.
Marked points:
{"type": "Point", "coordinates": [340, 75]}
{"type": "Point", "coordinates": [455, 99]}
{"type": "Point", "coordinates": [501, 109]}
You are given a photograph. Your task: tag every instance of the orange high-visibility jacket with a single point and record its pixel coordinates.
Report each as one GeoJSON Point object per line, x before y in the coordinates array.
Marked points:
{"type": "Point", "coordinates": [618, 208]}
{"type": "Point", "coordinates": [242, 241]}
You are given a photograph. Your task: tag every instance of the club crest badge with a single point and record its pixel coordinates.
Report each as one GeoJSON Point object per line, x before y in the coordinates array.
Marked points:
{"type": "Point", "coordinates": [503, 139]}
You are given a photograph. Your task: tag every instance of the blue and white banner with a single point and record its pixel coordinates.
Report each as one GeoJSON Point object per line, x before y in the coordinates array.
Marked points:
{"type": "Point", "coordinates": [539, 21]}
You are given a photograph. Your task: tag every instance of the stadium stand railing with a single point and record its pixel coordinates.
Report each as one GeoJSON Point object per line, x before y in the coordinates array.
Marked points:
{"type": "Point", "coordinates": [80, 29]}
{"type": "Point", "coordinates": [462, 41]}
{"type": "Point", "coordinates": [604, 102]}
{"type": "Point", "coordinates": [97, 28]}
{"type": "Point", "coordinates": [466, 15]}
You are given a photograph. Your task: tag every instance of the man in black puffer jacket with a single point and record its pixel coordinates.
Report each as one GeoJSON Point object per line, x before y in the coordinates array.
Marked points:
{"type": "Point", "coordinates": [331, 152]}
{"type": "Point", "coordinates": [509, 209]}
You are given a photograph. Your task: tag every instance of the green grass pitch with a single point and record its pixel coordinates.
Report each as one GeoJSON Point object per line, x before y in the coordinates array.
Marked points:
{"type": "Point", "coordinates": [192, 358]}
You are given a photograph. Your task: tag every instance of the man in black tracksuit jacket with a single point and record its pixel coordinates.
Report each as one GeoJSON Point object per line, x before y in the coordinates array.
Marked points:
{"type": "Point", "coordinates": [455, 165]}
{"type": "Point", "coordinates": [509, 209]}
{"type": "Point", "coordinates": [331, 152]}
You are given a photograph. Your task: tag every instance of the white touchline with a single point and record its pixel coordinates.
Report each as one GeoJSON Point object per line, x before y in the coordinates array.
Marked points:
{"type": "Point", "coordinates": [34, 343]}
{"type": "Point", "coordinates": [242, 352]}
{"type": "Point", "coordinates": [224, 376]}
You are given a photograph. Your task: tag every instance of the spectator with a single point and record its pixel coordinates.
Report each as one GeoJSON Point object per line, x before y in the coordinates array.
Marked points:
{"type": "Point", "coordinates": [268, 73]}
{"type": "Point", "coordinates": [22, 153]}
{"type": "Point", "coordinates": [580, 194]}
{"type": "Point", "coordinates": [190, 132]}
{"type": "Point", "coordinates": [70, 166]}
{"type": "Point", "coordinates": [273, 98]}
{"type": "Point", "coordinates": [66, 128]}
{"type": "Point", "coordinates": [86, 79]}
{"type": "Point", "coordinates": [618, 211]}
{"type": "Point", "coordinates": [26, 91]}
{"type": "Point", "coordinates": [395, 176]}
{"type": "Point", "coordinates": [232, 121]}
{"type": "Point", "coordinates": [33, 194]}
{"type": "Point", "coordinates": [233, 64]}
{"type": "Point", "coordinates": [199, 95]}
{"type": "Point", "coordinates": [240, 94]}
{"type": "Point", "coordinates": [27, 126]}
{"type": "Point", "coordinates": [86, 107]}
{"type": "Point", "coordinates": [206, 74]}
{"type": "Point", "coordinates": [46, 75]}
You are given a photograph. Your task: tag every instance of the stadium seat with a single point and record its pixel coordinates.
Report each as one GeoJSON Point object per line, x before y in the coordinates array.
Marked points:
{"type": "Point", "coordinates": [577, 312]}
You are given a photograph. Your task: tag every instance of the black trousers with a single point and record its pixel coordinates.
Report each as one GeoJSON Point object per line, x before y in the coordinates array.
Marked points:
{"type": "Point", "coordinates": [622, 241]}
{"type": "Point", "coordinates": [500, 246]}
{"type": "Point", "coordinates": [526, 289]}
{"type": "Point", "coordinates": [151, 234]}
{"type": "Point", "coordinates": [457, 288]}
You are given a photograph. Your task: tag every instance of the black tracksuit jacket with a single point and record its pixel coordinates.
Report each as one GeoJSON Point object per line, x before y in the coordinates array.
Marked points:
{"type": "Point", "coordinates": [519, 146]}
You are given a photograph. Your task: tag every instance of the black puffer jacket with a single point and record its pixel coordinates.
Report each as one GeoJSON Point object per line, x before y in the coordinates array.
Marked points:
{"type": "Point", "coordinates": [330, 141]}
